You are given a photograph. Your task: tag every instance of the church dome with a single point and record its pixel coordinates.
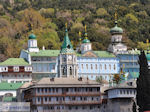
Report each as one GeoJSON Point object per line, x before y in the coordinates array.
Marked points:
{"type": "Point", "coordinates": [116, 29]}
{"type": "Point", "coordinates": [32, 36]}
{"type": "Point", "coordinates": [86, 41]}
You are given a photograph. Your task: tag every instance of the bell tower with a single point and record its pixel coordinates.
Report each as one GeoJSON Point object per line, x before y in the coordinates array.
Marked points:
{"type": "Point", "coordinates": [67, 59]}
{"type": "Point", "coordinates": [116, 44]}
{"type": "Point", "coordinates": [86, 44]}
{"type": "Point", "coordinates": [32, 44]}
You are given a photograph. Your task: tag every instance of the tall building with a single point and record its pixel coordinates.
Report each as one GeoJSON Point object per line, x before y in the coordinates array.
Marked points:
{"type": "Point", "coordinates": [67, 59]}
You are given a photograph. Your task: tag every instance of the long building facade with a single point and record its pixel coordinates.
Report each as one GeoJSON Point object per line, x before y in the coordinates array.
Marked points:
{"type": "Point", "coordinates": [82, 62]}
{"type": "Point", "coordinates": [63, 94]}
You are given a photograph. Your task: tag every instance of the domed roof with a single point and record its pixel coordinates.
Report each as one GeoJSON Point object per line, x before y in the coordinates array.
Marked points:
{"type": "Point", "coordinates": [86, 41]}
{"type": "Point", "coordinates": [32, 36]}
{"type": "Point", "coordinates": [116, 29]}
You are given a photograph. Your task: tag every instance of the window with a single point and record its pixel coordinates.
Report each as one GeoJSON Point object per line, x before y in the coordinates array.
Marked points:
{"type": "Point", "coordinates": [57, 90]}
{"type": "Point", "coordinates": [38, 90]}
{"type": "Point", "coordinates": [100, 66]}
{"type": "Point", "coordinates": [86, 66]}
{"type": "Point", "coordinates": [120, 91]}
{"type": "Point", "coordinates": [114, 67]}
{"type": "Point", "coordinates": [96, 66]}
{"type": "Point", "coordinates": [46, 99]}
{"type": "Point", "coordinates": [109, 66]}
{"type": "Point", "coordinates": [38, 99]}
{"type": "Point", "coordinates": [82, 66]}
{"type": "Point", "coordinates": [105, 67]}
{"type": "Point", "coordinates": [49, 89]}
{"type": "Point", "coordinates": [49, 98]}
{"type": "Point", "coordinates": [70, 71]}
{"type": "Point", "coordinates": [45, 90]}
{"type": "Point", "coordinates": [91, 66]}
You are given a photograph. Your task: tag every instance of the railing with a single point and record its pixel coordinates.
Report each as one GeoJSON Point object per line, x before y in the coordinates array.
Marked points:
{"type": "Point", "coordinates": [67, 94]}
{"type": "Point", "coordinates": [70, 103]}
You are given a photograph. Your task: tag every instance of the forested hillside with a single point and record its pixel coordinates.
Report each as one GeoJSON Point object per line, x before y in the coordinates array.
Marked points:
{"type": "Point", "coordinates": [47, 18]}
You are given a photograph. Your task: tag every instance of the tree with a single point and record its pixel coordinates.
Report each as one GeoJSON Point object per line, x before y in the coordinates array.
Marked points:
{"type": "Point", "coordinates": [134, 107]}
{"type": "Point", "coordinates": [117, 78]}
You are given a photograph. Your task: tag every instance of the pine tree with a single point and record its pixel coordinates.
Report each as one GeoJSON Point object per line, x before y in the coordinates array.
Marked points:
{"type": "Point", "coordinates": [134, 107]}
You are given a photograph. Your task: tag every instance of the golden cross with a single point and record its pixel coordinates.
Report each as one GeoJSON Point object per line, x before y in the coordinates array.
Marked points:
{"type": "Point", "coordinates": [66, 25]}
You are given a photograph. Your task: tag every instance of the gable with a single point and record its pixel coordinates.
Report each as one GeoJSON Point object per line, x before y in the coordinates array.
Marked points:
{"type": "Point", "coordinates": [89, 54]}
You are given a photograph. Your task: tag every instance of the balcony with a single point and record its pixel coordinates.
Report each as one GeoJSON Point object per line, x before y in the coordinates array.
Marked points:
{"type": "Point", "coordinates": [67, 94]}
{"type": "Point", "coordinates": [69, 103]}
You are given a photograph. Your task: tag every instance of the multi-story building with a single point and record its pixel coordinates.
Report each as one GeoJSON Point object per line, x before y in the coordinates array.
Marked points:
{"type": "Point", "coordinates": [15, 70]}
{"type": "Point", "coordinates": [63, 94]}
{"type": "Point", "coordinates": [120, 98]}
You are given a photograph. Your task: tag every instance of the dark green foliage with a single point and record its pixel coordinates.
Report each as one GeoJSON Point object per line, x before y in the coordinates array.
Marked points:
{"type": "Point", "coordinates": [98, 15]}
{"type": "Point", "coordinates": [134, 107]}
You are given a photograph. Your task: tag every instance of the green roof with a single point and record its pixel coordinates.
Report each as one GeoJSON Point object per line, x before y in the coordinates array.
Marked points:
{"type": "Point", "coordinates": [116, 29]}
{"type": "Point", "coordinates": [10, 86]}
{"type": "Point", "coordinates": [66, 46]}
{"type": "Point", "coordinates": [56, 53]}
{"type": "Point", "coordinates": [46, 53]}
{"type": "Point", "coordinates": [104, 54]}
{"type": "Point", "coordinates": [9, 99]}
{"type": "Point", "coordinates": [32, 36]}
{"type": "Point", "coordinates": [14, 62]}
{"type": "Point", "coordinates": [86, 41]}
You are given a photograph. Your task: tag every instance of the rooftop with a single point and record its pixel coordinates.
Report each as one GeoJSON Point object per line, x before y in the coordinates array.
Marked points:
{"type": "Point", "coordinates": [65, 82]}
{"type": "Point", "coordinates": [10, 86]}
{"type": "Point", "coordinates": [104, 54]}
{"type": "Point", "coordinates": [14, 62]}
{"type": "Point", "coordinates": [46, 53]}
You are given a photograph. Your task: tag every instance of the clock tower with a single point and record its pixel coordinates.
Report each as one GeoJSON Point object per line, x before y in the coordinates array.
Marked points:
{"type": "Point", "coordinates": [67, 59]}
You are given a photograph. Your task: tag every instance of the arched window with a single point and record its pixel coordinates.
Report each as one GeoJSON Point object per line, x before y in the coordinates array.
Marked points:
{"type": "Point", "coordinates": [105, 67]}
{"type": "Point", "coordinates": [91, 66]}
{"type": "Point", "coordinates": [114, 67]}
{"type": "Point", "coordinates": [100, 66]}
{"type": "Point", "coordinates": [109, 66]}
{"type": "Point", "coordinates": [82, 66]}
{"type": "Point", "coordinates": [96, 66]}
{"type": "Point", "coordinates": [70, 71]}
{"type": "Point", "coordinates": [86, 66]}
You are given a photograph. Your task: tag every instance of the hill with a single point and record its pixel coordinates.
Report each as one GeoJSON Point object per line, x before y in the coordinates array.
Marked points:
{"type": "Point", "coordinates": [46, 18]}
